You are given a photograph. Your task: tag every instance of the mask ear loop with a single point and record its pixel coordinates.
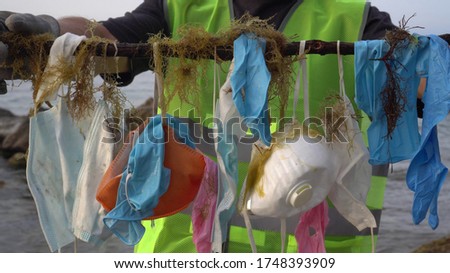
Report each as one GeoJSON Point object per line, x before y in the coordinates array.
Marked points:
{"type": "Point", "coordinates": [130, 175]}
{"type": "Point", "coordinates": [216, 80]}
{"type": "Point", "coordinates": [75, 245]}
{"type": "Point", "coordinates": [302, 71]}
{"type": "Point", "coordinates": [248, 224]}
{"type": "Point", "coordinates": [159, 82]}
{"type": "Point", "coordinates": [244, 212]}
{"type": "Point", "coordinates": [283, 234]}
{"type": "Point", "coordinates": [342, 92]}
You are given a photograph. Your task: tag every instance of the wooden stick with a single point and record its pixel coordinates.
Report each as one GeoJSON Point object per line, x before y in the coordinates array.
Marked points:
{"type": "Point", "coordinates": [142, 50]}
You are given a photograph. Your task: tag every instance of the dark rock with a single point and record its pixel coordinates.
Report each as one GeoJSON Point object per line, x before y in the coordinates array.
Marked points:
{"type": "Point", "coordinates": [17, 141]}
{"type": "Point", "coordinates": [8, 123]}
{"type": "Point", "coordinates": [146, 110]}
{"type": "Point", "coordinates": [437, 246]}
{"type": "Point", "coordinates": [138, 115]}
{"type": "Point", "coordinates": [5, 113]}
{"type": "Point", "coordinates": [14, 131]}
{"type": "Point", "coordinates": [18, 160]}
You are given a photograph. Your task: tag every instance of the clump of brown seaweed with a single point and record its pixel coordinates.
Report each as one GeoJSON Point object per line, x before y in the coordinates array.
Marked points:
{"type": "Point", "coordinates": [393, 96]}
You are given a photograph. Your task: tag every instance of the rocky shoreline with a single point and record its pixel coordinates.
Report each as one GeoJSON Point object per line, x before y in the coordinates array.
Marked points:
{"type": "Point", "coordinates": [17, 207]}
{"type": "Point", "coordinates": [14, 131]}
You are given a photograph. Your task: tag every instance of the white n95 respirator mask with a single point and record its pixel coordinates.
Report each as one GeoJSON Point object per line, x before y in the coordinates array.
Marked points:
{"type": "Point", "coordinates": [290, 177]}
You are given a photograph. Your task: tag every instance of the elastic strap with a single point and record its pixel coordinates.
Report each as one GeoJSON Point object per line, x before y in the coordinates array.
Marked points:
{"type": "Point", "coordinates": [341, 71]}
{"type": "Point", "coordinates": [372, 237]}
{"type": "Point", "coordinates": [215, 80]}
{"type": "Point", "coordinates": [342, 92]}
{"type": "Point", "coordinates": [248, 225]}
{"type": "Point", "coordinates": [283, 234]}
{"type": "Point", "coordinates": [159, 82]}
{"type": "Point", "coordinates": [301, 71]}
{"type": "Point", "coordinates": [75, 245]}
{"type": "Point", "coordinates": [129, 174]}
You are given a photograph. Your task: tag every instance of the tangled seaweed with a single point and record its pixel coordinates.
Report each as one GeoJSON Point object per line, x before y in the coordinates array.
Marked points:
{"type": "Point", "coordinates": [394, 97]}
{"type": "Point", "coordinates": [185, 74]}
{"type": "Point", "coordinates": [335, 108]}
{"type": "Point", "coordinates": [28, 56]}
{"type": "Point", "coordinates": [196, 46]}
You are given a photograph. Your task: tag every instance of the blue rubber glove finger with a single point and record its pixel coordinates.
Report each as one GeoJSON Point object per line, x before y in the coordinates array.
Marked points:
{"type": "Point", "coordinates": [440, 172]}
{"type": "Point", "coordinates": [426, 175]}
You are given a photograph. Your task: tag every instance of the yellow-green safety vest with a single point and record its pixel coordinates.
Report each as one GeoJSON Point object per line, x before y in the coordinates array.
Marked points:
{"type": "Point", "coordinates": [327, 20]}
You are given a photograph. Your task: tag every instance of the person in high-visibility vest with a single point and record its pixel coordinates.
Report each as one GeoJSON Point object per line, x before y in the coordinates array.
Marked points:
{"type": "Point", "coordinates": [328, 20]}
{"type": "Point", "coordinates": [308, 19]}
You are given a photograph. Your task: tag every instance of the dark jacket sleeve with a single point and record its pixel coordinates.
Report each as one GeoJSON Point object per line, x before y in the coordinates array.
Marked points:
{"type": "Point", "coordinates": [378, 22]}
{"type": "Point", "coordinates": [137, 26]}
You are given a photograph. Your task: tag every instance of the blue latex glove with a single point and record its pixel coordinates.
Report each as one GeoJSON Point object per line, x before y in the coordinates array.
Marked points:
{"type": "Point", "coordinates": [370, 79]}
{"type": "Point", "coordinates": [426, 173]}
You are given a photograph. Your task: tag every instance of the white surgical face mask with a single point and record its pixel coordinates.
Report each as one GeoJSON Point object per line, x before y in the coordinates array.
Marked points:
{"type": "Point", "coordinates": [66, 160]}
{"type": "Point", "coordinates": [227, 161]}
{"type": "Point", "coordinates": [87, 216]}
{"type": "Point", "coordinates": [62, 51]}
{"type": "Point", "coordinates": [353, 183]}
{"type": "Point", "coordinates": [350, 191]}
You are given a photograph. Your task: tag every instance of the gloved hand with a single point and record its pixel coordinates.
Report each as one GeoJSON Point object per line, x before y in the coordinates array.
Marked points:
{"type": "Point", "coordinates": [27, 24]}
{"type": "Point", "coordinates": [3, 49]}
{"type": "Point", "coordinates": [3, 55]}
{"type": "Point", "coordinates": [3, 16]}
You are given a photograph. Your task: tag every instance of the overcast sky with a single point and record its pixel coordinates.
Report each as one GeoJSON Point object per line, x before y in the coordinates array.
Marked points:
{"type": "Point", "coordinates": [430, 14]}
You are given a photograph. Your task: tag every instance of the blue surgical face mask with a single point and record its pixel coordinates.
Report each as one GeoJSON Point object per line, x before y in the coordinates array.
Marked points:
{"type": "Point", "coordinates": [145, 179]}
{"type": "Point", "coordinates": [145, 172]}
{"type": "Point", "coordinates": [248, 79]}
{"type": "Point", "coordinates": [54, 162]}
{"type": "Point", "coordinates": [250, 82]}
